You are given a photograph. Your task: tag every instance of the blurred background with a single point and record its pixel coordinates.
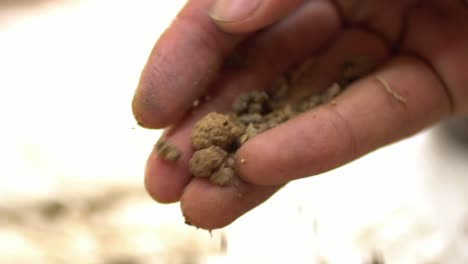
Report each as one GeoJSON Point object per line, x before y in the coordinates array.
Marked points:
{"type": "Point", "coordinates": [72, 157]}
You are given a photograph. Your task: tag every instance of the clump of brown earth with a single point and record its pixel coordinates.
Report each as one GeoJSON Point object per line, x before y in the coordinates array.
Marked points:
{"type": "Point", "coordinates": [167, 151]}
{"type": "Point", "coordinates": [217, 136]}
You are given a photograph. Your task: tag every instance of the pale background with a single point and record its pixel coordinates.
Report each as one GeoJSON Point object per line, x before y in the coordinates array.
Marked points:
{"type": "Point", "coordinates": [72, 162]}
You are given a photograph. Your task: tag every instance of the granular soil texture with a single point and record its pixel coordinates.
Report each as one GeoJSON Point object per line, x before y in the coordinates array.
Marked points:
{"type": "Point", "coordinates": [217, 136]}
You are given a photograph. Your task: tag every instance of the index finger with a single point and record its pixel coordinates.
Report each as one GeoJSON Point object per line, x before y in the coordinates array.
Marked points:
{"type": "Point", "coordinates": [183, 62]}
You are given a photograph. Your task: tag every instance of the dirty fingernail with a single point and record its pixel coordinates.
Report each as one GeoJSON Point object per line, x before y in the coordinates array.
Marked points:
{"type": "Point", "coordinates": [234, 10]}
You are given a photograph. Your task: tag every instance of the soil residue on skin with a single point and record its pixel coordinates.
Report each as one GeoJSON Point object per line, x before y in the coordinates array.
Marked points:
{"type": "Point", "coordinates": [167, 151]}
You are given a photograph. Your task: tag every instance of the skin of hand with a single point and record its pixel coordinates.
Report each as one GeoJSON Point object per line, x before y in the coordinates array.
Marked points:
{"type": "Point", "coordinates": [421, 47]}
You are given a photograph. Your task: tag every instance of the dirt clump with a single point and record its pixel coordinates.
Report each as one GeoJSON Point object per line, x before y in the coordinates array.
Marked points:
{"type": "Point", "coordinates": [252, 102]}
{"type": "Point", "coordinates": [215, 129]}
{"type": "Point", "coordinates": [223, 176]}
{"type": "Point", "coordinates": [167, 151]}
{"type": "Point", "coordinates": [206, 161]}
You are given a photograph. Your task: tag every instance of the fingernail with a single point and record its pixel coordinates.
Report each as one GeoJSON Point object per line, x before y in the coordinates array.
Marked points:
{"type": "Point", "coordinates": [234, 10]}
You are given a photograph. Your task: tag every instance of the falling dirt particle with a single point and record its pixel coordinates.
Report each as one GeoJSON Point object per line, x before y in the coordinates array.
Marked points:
{"type": "Point", "coordinates": [122, 260]}
{"type": "Point", "coordinates": [53, 210]}
{"type": "Point", "coordinates": [223, 247]}
{"type": "Point", "coordinates": [375, 258]}
{"type": "Point", "coordinates": [315, 226]}
{"type": "Point", "coordinates": [167, 151]}
{"type": "Point", "coordinates": [320, 260]}
{"type": "Point", "coordinates": [392, 92]}
{"type": "Point", "coordinates": [243, 160]}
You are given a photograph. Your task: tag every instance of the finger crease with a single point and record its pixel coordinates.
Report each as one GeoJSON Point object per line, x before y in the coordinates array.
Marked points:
{"type": "Point", "coordinates": [446, 89]}
{"type": "Point", "coordinates": [391, 91]}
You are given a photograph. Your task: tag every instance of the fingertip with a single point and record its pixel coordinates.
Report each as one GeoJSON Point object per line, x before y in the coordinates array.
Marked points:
{"type": "Point", "coordinates": [245, 16]}
{"type": "Point", "coordinates": [164, 181]}
{"type": "Point", "coordinates": [210, 207]}
{"type": "Point", "coordinates": [248, 164]}
{"type": "Point", "coordinates": [184, 62]}
{"type": "Point", "coordinates": [147, 113]}
{"type": "Point", "coordinates": [201, 209]}
{"type": "Point", "coordinates": [156, 193]}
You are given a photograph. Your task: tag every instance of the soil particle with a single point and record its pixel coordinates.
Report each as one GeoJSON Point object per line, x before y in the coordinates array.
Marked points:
{"type": "Point", "coordinates": [251, 118]}
{"type": "Point", "coordinates": [215, 129]}
{"type": "Point", "coordinates": [223, 176]}
{"type": "Point", "coordinates": [167, 151]}
{"type": "Point", "coordinates": [206, 161]}
{"type": "Point", "coordinates": [251, 102]}
{"type": "Point", "coordinates": [52, 210]}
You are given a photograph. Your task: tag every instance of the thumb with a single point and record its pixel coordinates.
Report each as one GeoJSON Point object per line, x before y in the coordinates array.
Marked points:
{"type": "Point", "coordinates": [243, 16]}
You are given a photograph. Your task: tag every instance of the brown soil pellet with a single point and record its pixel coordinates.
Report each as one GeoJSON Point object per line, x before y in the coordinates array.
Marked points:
{"type": "Point", "coordinates": [226, 173]}
{"type": "Point", "coordinates": [215, 130]}
{"type": "Point", "coordinates": [167, 151]}
{"type": "Point", "coordinates": [206, 161]}
{"type": "Point", "coordinates": [251, 102]}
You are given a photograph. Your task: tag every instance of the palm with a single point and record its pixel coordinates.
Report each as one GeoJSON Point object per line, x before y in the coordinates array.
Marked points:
{"type": "Point", "coordinates": [433, 32]}
{"type": "Point", "coordinates": [421, 51]}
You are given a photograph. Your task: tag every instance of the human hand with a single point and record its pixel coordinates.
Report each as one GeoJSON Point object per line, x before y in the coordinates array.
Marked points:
{"type": "Point", "coordinates": [421, 48]}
